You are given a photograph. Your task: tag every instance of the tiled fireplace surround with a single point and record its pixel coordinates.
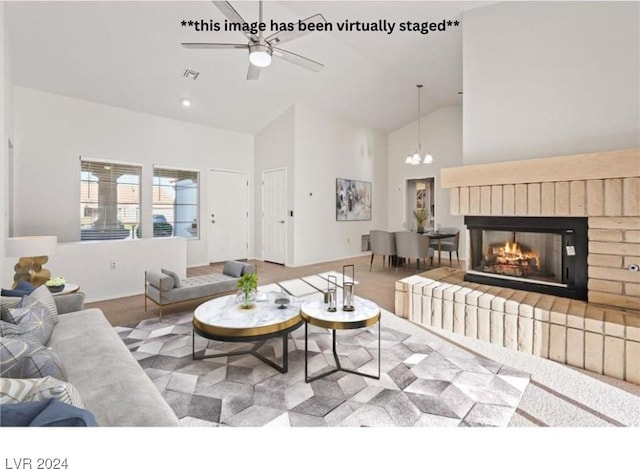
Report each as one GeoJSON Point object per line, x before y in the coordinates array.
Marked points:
{"type": "Point", "coordinates": [601, 335]}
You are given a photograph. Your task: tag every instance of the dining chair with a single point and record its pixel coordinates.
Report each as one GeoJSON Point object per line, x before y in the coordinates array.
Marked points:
{"type": "Point", "coordinates": [383, 243]}
{"type": "Point", "coordinates": [449, 245]}
{"type": "Point", "coordinates": [412, 245]}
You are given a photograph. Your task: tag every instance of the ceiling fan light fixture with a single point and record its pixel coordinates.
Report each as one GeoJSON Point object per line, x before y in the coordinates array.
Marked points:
{"type": "Point", "coordinates": [260, 55]}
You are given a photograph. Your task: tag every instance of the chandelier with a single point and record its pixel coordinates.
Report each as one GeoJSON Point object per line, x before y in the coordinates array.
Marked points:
{"type": "Point", "coordinates": [417, 158]}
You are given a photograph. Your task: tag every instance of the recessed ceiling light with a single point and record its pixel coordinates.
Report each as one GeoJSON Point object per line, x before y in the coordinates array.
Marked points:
{"type": "Point", "coordinates": [188, 73]}
{"type": "Point", "coordinates": [186, 102]}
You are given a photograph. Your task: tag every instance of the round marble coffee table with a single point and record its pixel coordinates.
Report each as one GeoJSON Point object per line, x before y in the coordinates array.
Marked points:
{"type": "Point", "coordinates": [222, 319]}
{"type": "Point", "coordinates": [366, 314]}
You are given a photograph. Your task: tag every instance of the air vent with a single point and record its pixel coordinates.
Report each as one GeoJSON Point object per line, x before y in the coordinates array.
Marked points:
{"type": "Point", "coordinates": [188, 73]}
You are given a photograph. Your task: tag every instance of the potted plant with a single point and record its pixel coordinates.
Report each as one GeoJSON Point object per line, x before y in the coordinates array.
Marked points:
{"type": "Point", "coordinates": [247, 286]}
{"type": "Point", "coordinates": [56, 285]}
{"type": "Point", "coordinates": [421, 217]}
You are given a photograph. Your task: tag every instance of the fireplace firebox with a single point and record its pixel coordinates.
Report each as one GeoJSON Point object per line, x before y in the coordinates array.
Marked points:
{"type": "Point", "coordinates": [542, 254]}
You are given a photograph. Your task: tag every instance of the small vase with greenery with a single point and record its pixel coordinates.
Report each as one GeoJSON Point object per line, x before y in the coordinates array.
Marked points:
{"type": "Point", "coordinates": [421, 217]}
{"type": "Point", "coordinates": [247, 286]}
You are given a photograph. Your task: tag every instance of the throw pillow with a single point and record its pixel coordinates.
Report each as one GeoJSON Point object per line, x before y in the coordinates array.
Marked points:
{"type": "Point", "coordinates": [23, 285]}
{"type": "Point", "coordinates": [14, 292]}
{"type": "Point", "coordinates": [51, 413]}
{"type": "Point", "coordinates": [12, 353]}
{"type": "Point", "coordinates": [38, 389]}
{"type": "Point", "coordinates": [43, 295]}
{"type": "Point", "coordinates": [38, 364]}
{"type": "Point", "coordinates": [36, 319]}
{"type": "Point", "coordinates": [22, 288]}
{"type": "Point", "coordinates": [160, 281]}
{"type": "Point", "coordinates": [7, 302]}
{"type": "Point", "coordinates": [173, 275]}
{"type": "Point", "coordinates": [233, 268]}
{"type": "Point", "coordinates": [14, 331]}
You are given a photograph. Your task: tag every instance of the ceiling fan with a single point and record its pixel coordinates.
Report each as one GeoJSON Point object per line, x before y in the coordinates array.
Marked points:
{"type": "Point", "coordinates": [261, 49]}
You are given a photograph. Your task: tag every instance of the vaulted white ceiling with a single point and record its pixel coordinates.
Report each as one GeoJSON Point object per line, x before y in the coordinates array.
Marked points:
{"type": "Point", "coordinates": [128, 54]}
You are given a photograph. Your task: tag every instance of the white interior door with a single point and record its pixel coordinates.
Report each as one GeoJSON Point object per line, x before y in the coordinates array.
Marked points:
{"type": "Point", "coordinates": [228, 219]}
{"type": "Point", "coordinates": [274, 215]}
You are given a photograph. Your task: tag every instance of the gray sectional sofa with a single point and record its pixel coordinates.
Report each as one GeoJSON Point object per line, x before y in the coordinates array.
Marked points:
{"type": "Point", "coordinates": [111, 383]}
{"type": "Point", "coordinates": [91, 356]}
{"type": "Point", "coordinates": [165, 288]}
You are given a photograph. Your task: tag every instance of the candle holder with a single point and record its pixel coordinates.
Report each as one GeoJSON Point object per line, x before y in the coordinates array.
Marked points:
{"type": "Point", "coordinates": [331, 293]}
{"type": "Point", "coordinates": [348, 288]}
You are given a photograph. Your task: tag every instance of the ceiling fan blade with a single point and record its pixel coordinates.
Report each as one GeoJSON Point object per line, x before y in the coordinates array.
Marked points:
{"type": "Point", "coordinates": [253, 73]}
{"type": "Point", "coordinates": [233, 16]}
{"type": "Point", "coordinates": [298, 59]}
{"type": "Point", "coordinates": [284, 36]}
{"type": "Point", "coordinates": [213, 45]}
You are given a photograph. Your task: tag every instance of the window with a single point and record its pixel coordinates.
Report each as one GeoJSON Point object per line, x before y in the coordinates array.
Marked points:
{"type": "Point", "coordinates": [109, 200]}
{"type": "Point", "coordinates": [175, 202]}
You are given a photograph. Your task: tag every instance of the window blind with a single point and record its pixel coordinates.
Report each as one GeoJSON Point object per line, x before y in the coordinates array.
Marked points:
{"type": "Point", "coordinates": [109, 200]}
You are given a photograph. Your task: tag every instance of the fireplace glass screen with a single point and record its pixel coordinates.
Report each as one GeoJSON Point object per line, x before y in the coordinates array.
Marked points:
{"type": "Point", "coordinates": [527, 256]}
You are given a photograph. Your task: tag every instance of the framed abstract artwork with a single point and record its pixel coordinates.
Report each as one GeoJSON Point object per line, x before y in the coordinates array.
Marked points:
{"type": "Point", "coordinates": [353, 200]}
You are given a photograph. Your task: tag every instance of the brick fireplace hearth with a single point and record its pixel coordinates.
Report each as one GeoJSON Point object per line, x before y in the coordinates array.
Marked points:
{"type": "Point", "coordinates": [601, 334]}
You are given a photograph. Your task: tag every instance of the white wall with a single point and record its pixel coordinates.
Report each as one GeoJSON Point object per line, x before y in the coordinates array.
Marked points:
{"type": "Point", "coordinates": [329, 147]}
{"type": "Point", "coordinates": [274, 148]}
{"type": "Point", "coordinates": [6, 134]}
{"type": "Point", "coordinates": [52, 131]}
{"type": "Point", "coordinates": [550, 78]}
{"type": "Point", "coordinates": [441, 135]}
{"type": "Point", "coordinates": [83, 263]}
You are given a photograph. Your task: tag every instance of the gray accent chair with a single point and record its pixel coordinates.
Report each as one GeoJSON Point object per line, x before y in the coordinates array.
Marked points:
{"type": "Point", "coordinates": [449, 245]}
{"type": "Point", "coordinates": [383, 243]}
{"type": "Point", "coordinates": [412, 245]}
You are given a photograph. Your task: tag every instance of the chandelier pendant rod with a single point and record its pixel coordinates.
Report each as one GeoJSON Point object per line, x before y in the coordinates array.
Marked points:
{"type": "Point", "coordinates": [419, 121]}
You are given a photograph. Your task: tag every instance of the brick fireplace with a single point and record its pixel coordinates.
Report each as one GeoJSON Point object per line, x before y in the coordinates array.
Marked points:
{"type": "Point", "coordinates": [597, 326]}
{"type": "Point", "coordinates": [603, 187]}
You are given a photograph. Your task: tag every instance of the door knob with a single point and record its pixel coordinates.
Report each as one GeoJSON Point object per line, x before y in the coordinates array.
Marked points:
{"type": "Point", "coordinates": [281, 221]}
{"type": "Point", "coordinates": [213, 221]}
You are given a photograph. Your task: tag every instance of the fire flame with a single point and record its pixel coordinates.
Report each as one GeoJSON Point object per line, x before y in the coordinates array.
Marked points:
{"type": "Point", "coordinates": [513, 252]}
{"type": "Point", "coordinates": [512, 249]}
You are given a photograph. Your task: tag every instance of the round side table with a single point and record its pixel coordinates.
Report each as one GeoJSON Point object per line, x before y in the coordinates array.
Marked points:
{"type": "Point", "coordinates": [68, 288]}
{"type": "Point", "coordinates": [366, 314]}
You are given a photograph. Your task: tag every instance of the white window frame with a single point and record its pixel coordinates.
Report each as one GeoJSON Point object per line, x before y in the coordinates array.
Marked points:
{"type": "Point", "coordinates": [179, 227]}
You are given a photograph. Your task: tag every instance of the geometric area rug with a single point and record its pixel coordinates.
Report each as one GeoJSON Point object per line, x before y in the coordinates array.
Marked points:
{"type": "Point", "coordinates": [425, 381]}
